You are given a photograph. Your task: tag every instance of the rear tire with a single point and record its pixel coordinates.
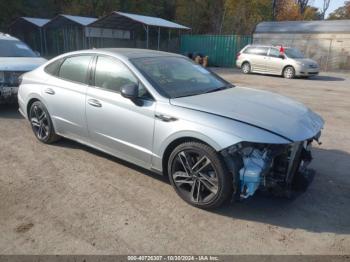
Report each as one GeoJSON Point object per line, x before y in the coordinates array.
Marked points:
{"type": "Point", "coordinates": [199, 175]}
{"type": "Point", "coordinates": [246, 68]}
{"type": "Point", "coordinates": [289, 72]}
{"type": "Point", "coordinates": [41, 123]}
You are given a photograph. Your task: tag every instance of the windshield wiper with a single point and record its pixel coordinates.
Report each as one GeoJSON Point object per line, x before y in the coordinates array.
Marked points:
{"type": "Point", "coordinates": [218, 89]}
{"type": "Point", "coordinates": [206, 92]}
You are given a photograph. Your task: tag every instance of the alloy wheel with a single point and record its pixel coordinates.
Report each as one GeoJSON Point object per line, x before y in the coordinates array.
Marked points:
{"type": "Point", "coordinates": [40, 122]}
{"type": "Point", "coordinates": [289, 72]}
{"type": "Point", "coordinates": [195, 177]}
{"type": "Point", "coordinates": [246, 68]}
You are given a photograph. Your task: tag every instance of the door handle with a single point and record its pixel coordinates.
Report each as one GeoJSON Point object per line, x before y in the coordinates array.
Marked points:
{"type": "Point", "coordinates": [165, 118]}
{"type": "Point", "coordinates": [94, 103]}
{"type": "Point", "coordinates": [49, 91]}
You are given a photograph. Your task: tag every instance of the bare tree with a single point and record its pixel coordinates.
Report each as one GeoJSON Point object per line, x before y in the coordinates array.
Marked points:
{"type": "Point", "coordinates": [274, 9]}
{"type": "Point", "coordinates": [325, 8]}
{"type": "Point", "coordinates": [302, 5]}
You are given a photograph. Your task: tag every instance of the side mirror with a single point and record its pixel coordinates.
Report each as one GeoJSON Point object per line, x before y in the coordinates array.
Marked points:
{"type": "Point", "coordinates": [130, 91]}
{"type": "Point", "coordinates": [37, 53]}
{"type": "Point", "coordinates": [282, 56]}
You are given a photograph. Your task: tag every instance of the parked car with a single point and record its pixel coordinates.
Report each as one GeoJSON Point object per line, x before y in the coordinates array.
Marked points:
{"type": "Point", "coordinates": [288, 62]}
{"type": "Point", "coordinates": [165, 113]}
{"type": "Point", "coordinates": [16, 58]}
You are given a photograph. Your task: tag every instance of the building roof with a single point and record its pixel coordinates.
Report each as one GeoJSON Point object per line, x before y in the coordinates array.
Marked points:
{"type": "Point", "coordinates": [62, 19]}
{"type": "Point", "coordinates": [83, 20]}
{"type": "Point", "coordinates": [307, 27]}
{"type": "Point", "coordinates": [23, 20]}
{"type": "Point", "coordinates": [127, 21]}
{"type": "Point", "coordinates": [40, 22]}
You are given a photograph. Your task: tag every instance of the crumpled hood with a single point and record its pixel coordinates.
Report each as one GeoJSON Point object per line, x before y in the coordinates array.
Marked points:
{"type": "Point", "coordinates": [273, 112]}
{"type": "Point", "coordinates": [20, 63]}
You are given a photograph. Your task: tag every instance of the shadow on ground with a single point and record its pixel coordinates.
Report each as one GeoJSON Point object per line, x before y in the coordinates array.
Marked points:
{"type": "Point", "coordinates": [9, 111]}
{"type": "Point", "coordinates": [322, 208]}
{"type": "Point", "coordinates": [312, 78]}
{"type": "Point", "coordinates": [326, 78]}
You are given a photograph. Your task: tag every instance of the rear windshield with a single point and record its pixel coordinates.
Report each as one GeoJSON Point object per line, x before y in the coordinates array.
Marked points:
{"type": "Point", "coordinates": [15, 48]}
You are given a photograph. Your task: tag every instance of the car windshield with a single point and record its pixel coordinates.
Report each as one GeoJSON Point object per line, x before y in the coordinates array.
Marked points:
{"type": "Point", "coordinates": [15, 48]}
{"type": "Point", "coordinates": [179, 77]}
{"type": "Point", "coordinates": [293, 53]}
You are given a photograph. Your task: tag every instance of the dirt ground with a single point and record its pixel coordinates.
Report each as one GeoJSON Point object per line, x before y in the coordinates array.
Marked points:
{"type": "Point", "coordinates": [69, 199]}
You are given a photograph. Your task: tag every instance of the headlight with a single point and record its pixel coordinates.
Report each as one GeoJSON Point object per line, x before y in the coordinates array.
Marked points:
{"type": "Point", "coordinates": [10, 78]}
{"type": "Point", "coordinates": [2, 77]}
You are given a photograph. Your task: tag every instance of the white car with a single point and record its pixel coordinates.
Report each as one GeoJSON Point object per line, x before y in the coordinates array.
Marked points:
{"type": "Point", "coordinates": [272, 60]}
{"type": "Point", "coordinates": [16, 58]}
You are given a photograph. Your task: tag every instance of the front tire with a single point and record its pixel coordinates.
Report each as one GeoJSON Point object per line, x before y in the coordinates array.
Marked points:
{"type": "Point", "coordinates": [246, 68]}
{"type": "Point", "coordinates": [289, 72]}
{"type": "Point", "coordinates": [41, 123]}
{"type": "Point", "coordinates": [199, 175]}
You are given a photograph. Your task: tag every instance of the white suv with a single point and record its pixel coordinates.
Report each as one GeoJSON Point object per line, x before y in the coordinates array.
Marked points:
{"type": "Point", "coordinates": [16, 58]}
{"type": "Point", "coordinates": [289, 62]}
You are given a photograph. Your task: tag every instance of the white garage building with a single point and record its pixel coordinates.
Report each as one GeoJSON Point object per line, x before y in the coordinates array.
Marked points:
{"type": "Point", "coordinates": [328, 42]}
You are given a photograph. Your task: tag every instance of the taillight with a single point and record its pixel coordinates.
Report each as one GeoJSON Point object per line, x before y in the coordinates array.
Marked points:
{"type": "Point", "coordinates": [238, 55]}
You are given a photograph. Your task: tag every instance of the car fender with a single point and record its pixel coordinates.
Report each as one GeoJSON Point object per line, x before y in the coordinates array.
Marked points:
{"type": "Point", "coordinates": [35, 93]}
{"type": "Point", "coordinates": [193, 133]}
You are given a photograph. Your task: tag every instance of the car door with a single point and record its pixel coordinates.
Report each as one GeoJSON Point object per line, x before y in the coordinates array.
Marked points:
{"type": "Point", "coordinates": [65, 92]}
{"type": "Point", "coordinates": [274, 63]}
{"type": "Point", "coordinates": [116, 124]}
{"type": "Point", "coordinates": [257, 57]}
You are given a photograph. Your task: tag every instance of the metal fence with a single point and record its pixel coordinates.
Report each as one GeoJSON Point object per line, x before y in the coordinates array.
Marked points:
{"type": "Point", "coordinates": [70, 38]}
{"type": "Point", "coordinates": [221, 49]}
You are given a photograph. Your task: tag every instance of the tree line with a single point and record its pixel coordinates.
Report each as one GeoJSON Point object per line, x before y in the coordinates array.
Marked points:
{"type": "Point", "coordinates": [203, 16]}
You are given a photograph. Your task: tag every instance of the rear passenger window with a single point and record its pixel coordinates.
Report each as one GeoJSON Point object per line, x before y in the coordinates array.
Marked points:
{"type": "Point", "coordinates": [256, 50]}
{"type": "Point", "coordinates": [75, 69]}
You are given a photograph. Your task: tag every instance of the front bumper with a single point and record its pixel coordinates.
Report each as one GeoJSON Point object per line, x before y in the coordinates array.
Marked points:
{"type": "Point", "coordinates": [8, 94]}
{"type": "Point", "coordinates": [269, 167]}
{"type": "Point", "coordinates": [306, 71]}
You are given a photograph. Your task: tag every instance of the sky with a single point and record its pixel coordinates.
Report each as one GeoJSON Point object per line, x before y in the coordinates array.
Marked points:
{"type": "Point", "coordinates": [334, 4]}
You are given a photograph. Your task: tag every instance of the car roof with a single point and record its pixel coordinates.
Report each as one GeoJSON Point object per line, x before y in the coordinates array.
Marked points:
{"type": "Point", "coordinates": [7, 37]}
{"type": "Point", "coordinates": [128, 53]}
{"type": "Point", "coordinates": [269, 46]}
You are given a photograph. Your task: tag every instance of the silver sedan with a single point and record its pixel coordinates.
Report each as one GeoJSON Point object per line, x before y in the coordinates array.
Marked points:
{"type": "Point", "coordinates": [167, 114]}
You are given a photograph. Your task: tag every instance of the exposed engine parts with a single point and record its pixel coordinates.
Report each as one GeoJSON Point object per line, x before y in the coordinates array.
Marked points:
{"type": "Point", "coordinates": [255, 163]}
{"type": "Point", "coordinates": [272, 168]}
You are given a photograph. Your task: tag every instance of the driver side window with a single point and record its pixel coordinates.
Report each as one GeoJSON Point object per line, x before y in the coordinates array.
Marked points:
{"type": "Point", "coordinates": [111, 74]}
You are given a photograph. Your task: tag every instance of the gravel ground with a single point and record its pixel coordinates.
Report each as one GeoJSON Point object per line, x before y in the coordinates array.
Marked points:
{"type": "Point", "coordinates": [69, 199]}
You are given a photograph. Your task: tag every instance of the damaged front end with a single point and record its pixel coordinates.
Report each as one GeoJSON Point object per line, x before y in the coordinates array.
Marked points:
{"type": "Point", "coordinates": [9, 83]}
{"type": "Point", "coordinates": [275, 168]}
